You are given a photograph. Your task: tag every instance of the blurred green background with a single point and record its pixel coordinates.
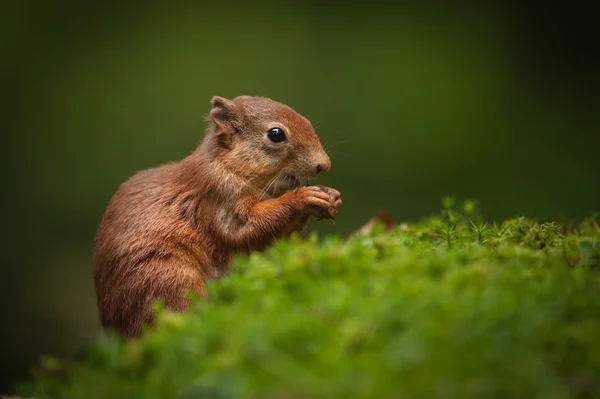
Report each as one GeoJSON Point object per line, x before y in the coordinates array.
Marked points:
{"type": "Point", "coordinates": [415, 100]}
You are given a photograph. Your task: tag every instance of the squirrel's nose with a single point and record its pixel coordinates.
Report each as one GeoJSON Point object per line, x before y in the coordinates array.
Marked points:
{"type": "Point", "coordinates": [324, 164]}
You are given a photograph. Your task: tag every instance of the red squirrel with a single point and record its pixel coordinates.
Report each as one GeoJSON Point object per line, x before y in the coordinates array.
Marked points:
{"type": "Point", "coordinates": [169, 229]}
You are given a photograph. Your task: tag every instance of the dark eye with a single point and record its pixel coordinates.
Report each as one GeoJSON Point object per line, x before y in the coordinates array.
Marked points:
{"type": "Point", "coordinates": [276, 135]}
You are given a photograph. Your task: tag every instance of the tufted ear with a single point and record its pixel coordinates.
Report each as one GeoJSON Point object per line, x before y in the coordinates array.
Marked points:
{"type": "Point", "coordinates": [222, 110]}
{"type": "Point", "coordinates": [223, 114]}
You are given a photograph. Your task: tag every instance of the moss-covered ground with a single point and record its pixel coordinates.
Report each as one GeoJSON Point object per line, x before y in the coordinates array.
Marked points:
{"type": "Point", "coordinates": [450, 307]}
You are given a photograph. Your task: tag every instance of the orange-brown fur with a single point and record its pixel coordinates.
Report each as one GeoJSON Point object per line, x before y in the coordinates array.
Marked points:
{"type": "Point", "coordinates": [169, 229]}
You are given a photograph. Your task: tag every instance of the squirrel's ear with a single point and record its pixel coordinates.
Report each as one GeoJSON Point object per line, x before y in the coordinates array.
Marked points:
{"type": "Point", "coordinates": [223, 117]}
{"type": "Point", "coordinates": [222, 111]}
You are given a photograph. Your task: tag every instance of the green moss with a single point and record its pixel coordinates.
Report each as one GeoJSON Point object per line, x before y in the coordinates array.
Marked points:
{"type": "Point", "coordinates": [451, 307]}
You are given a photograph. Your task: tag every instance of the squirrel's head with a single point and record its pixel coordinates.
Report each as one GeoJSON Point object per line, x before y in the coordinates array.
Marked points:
{"type": "Point", "coordinates": [267, 143]}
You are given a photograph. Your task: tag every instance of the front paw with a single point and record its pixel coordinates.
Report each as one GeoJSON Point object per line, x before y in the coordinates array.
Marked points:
{"type": "Point", "coordinates": [334, 195]}
{"type": "Point", "coordinates": [315, 201]}
{"type": "Point", "coordinates": [335, 198]}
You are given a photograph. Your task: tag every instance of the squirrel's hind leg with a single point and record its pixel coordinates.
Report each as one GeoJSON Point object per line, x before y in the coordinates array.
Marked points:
{"type": "Point", "coordinates": [168, 280]}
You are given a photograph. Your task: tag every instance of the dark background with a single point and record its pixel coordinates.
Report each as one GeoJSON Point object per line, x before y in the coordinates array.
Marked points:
{"type": "Point", "coordinates": [415, 100]}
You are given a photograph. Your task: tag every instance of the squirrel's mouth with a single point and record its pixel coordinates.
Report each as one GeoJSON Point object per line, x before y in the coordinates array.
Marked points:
{"type": "Point", "coordinates": [283, 184]}
{"type": "Point", "coordinates": [292, 182]}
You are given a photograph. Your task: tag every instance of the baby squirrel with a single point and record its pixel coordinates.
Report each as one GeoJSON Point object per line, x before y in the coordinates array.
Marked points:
{"type": "Point", "coordinates": [168, 229]}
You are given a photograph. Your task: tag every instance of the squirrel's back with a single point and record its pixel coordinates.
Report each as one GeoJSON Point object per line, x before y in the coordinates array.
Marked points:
{"type": "Point", "coordinates": [147, 250]}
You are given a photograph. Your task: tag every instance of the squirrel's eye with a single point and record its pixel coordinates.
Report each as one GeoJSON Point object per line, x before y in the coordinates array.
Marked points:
{"type": "Point", "coordinates": [276, 135]}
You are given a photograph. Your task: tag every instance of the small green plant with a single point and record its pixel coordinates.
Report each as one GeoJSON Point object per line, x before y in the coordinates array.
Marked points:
{"type": "Point", "coordinates": [449, 232]}
{"type": "Point", "coordinates": [449, 307]}
{"type": "Point", "coordinates": [480, 230]}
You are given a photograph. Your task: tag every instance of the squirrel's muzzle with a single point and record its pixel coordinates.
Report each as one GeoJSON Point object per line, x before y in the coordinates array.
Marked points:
{"type": "Point", "coordinates": [323, 163]}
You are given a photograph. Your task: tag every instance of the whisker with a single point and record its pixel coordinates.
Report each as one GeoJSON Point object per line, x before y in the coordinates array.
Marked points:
{"type": "Point", "coordinates": [341, 142]}
{"type": "Point", "coordinates": [273, 180]}
{"type": "Point", "coordinates": [339, 153]}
